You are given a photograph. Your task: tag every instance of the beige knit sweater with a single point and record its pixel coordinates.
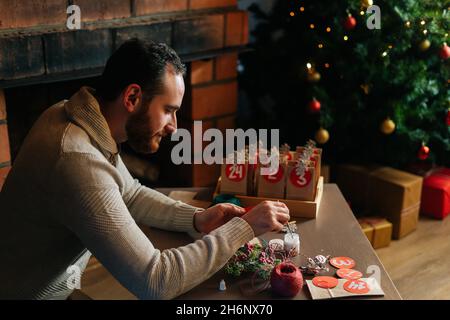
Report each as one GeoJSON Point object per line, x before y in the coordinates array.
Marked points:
{"type": "Point", "coordinates": [69, 194]}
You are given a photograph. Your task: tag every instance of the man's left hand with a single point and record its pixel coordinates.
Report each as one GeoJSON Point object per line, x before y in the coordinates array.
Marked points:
{"type": "Point", "coordinates": [215, 216]}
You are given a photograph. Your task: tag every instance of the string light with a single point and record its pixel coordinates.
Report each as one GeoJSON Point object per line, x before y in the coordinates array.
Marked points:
{"type": "Point", "coordinates": [308, 65]}
{"type": "Point", "coordinates": [390, 46]}
{"type": "Point", "coordinates": [320, 46]}
{"type": "Point", "coordinates": [361, 12]}
{"type": "Point", "coordinates": [384, 54]}
{"type": "Point", "coordinates": [327, 65]}
{"type": "Point", "coordinates": [312, 26]}
{"type": "Point", "coordinates": [292, 14]}
{"type": "Point", "coordinates": [425, 31]}
{"type": "Point", "coordinates": [345, 38]}
{"type": "Point", "coordinates": [302, 9]}
{"type": "Point", "coordinates": [328, 29]}
{"type": "Point", "coordinates": [408, 24]}
{"type": "Point", "coordinates": [422, 22]}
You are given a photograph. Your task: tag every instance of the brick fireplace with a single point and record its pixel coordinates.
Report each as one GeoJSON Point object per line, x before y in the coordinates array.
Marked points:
{"type": "Point", "coordinates": [42, 62]}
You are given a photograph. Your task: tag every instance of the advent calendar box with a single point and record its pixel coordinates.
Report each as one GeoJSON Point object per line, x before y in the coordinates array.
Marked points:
{"type": "Point", "coordinates": [296, 182]}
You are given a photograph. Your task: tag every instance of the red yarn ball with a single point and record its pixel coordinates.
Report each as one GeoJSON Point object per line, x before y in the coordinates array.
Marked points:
{"type": "Point", "coordinates": [286, 279]}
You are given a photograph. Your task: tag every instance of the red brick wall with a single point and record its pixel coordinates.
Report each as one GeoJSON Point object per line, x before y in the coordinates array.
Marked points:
{"type": "Point", "coordinates": [213, 99]}
{"type": "Point", "coordinates": [212, 83]}
{"type": "Point", "coordinates": [103, 9]}
{"type": "Point", "coordinates": [28, 13]}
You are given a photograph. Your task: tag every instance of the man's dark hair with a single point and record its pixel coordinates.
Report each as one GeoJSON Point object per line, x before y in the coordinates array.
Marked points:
{"type": "Point", "coordinates": [140, 62]}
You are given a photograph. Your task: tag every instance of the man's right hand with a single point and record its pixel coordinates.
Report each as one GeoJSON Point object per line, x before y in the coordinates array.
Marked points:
{"type": "Point", "coordinates": [267, 216]}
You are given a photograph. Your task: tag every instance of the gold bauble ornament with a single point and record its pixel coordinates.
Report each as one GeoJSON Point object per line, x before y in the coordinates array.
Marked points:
{"type": "Point", "coordinates": [366, 3]}
{"type": "Point", "coordinates": [387, 126]}
{"type": "Point", "coordinates": [322, 136]}
{"type": "Point", "coordinates": [313, 77]}
{"type": "Point", "coordinates": [365, 88]}
{"type": "Point", "coordinates": [424, 45]}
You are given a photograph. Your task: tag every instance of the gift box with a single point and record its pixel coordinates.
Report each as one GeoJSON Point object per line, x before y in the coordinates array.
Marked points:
{"type": "Point", "coordinates": [367, 229]}
{"type": "Point", "coordinates": [436, 194]}
{"type": "Point", "coordinates": [353, 181]}
{"type": "Point", "coordinates": [377, 230]}
{"type": "Point", "coordinates": [396, 195]}
{"type": "Point", "coordinates": [392, 193]}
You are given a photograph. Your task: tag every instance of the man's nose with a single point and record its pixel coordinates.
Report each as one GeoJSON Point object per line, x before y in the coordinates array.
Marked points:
{"type": "Point", "coordinates": [172, 125]}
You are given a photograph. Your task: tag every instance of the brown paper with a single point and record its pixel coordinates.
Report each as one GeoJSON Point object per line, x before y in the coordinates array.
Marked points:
{"type": "Point", "coordinates": [367, 229]}
{"type": "Point", "coordinates": [353, 181]}
{"type": "Point", "coordinates": [382, 234]}
{"type": "Point", "coordinates": [381, 231]}
{"type": "Point", "coordinates": [304, 187]}
{"type": "Point", "coordinates": [396, 195]}
{"type": "Point", "coordinates": [235, 178]}
{"type": "Point", "coordinates": [405, 223]}
{"type": "Point", "coordinates": [385, 191]}
{"type": "Point", "coordinates": [272, 186]}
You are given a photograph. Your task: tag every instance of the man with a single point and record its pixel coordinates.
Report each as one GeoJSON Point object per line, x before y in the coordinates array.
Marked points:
{"type": "Point", "coordinates": [69, 193]}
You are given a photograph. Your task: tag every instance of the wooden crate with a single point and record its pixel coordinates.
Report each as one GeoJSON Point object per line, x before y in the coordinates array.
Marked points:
{"type": "Point", "coordinates": [297, 208]}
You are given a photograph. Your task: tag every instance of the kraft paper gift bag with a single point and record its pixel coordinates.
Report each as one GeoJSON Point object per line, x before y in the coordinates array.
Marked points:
{"type": "Point", "coordinates": [300, 181]}
{"type": "Point", "coordinates": [272, 186]}
{"type": "Point", "coordinates": [235, 178]}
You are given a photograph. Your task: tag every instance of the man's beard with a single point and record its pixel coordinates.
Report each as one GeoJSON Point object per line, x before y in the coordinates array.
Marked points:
{"type": "Point", "coordinates": [139, 133]}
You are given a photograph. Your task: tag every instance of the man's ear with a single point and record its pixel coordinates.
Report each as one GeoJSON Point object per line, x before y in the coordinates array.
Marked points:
{"type": "Point", "coordinates": [132, 97]}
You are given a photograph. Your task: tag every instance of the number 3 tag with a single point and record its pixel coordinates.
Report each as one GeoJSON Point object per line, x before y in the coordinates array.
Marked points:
{"type": "Point", "coordinates": [235, 172]}
{"type": "Point", "coordinates": [302, 180]}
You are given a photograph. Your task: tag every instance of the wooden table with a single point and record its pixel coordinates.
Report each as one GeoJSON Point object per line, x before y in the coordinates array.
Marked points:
{"type": "Point", "coordinates": [334, 232]}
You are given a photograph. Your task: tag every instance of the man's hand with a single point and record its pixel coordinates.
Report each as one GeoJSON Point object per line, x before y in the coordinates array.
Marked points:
{"type": "Point", "coordinates": [267, 216]}
{"type": "Point", "coordinates": [215, 216]}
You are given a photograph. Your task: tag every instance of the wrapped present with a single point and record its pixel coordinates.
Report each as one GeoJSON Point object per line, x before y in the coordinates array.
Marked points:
{"type": "Point", "coordinates": [367, 229]}
{"type": "Point", "coordinates": [377, 230]}
{"type": "Point", "coordinates": [392, 193]}
{"type": "Point", "coordinates": [436, 194]}
{"type": "Point", "coordinates": [353, 181]}
{"type": "Point", "coordinates": [396, 195]}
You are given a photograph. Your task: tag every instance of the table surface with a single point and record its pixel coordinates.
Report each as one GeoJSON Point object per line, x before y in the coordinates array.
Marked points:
{"type": "Point", "coordinates": [335, 232]}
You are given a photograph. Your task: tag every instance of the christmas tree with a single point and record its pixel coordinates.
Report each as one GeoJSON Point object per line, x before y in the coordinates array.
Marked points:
{"type": "Point", "coordinates": [367, 89]}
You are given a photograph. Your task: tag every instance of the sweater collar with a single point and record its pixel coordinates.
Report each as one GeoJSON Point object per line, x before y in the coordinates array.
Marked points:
{"type": "Point", "coordinates": [84, 110]}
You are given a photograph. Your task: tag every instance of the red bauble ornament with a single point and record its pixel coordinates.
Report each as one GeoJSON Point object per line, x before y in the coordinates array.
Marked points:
{"type": "Point", "coordinates": [314, 106]}
{"type": "Point", "coordinates": [349, 22]}
{"type": "Point", "coordinates": [423, 153]}
{"type": "Point", "coordinates": [448, 117]}
{"type": "Point", "coordinates": [444, 52]}
{"type": "Point", "coordinates": [286, 279]}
